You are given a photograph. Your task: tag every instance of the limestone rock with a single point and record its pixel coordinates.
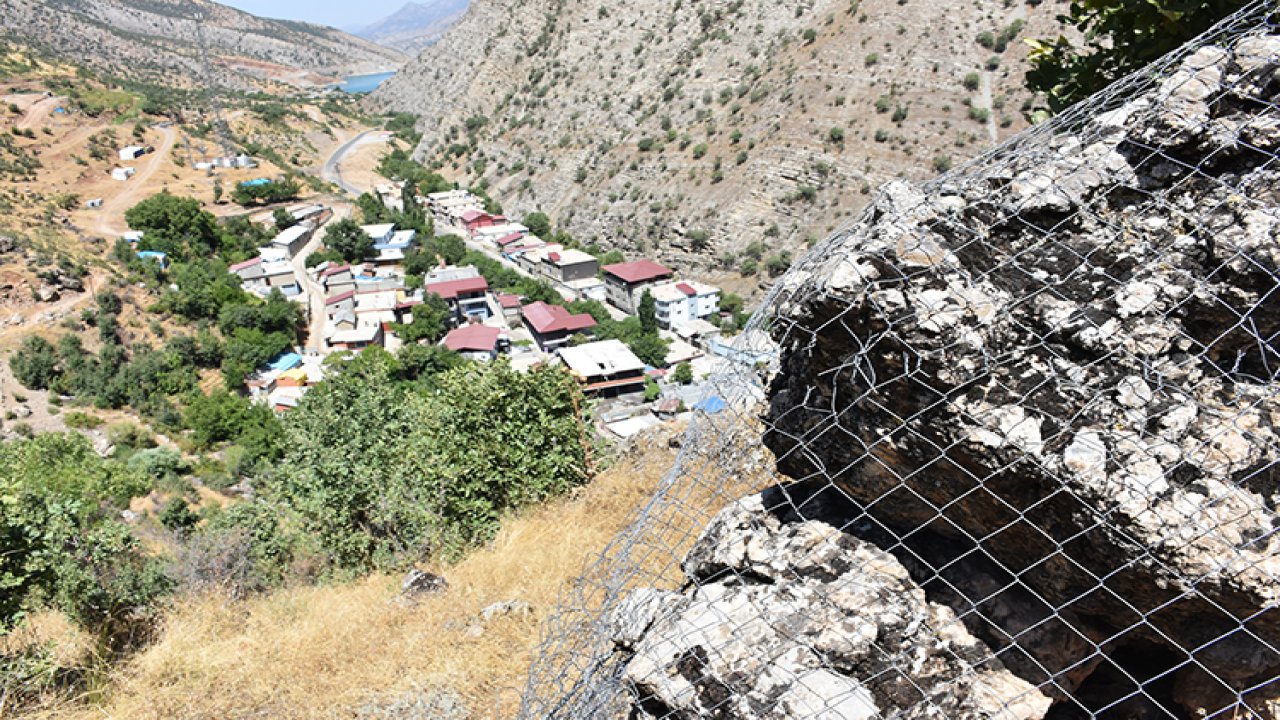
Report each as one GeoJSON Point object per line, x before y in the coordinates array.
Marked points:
{"type": "Point", "coordinates": [1069, 429]}
{"type": "Point", "coordinates": [793, 618]}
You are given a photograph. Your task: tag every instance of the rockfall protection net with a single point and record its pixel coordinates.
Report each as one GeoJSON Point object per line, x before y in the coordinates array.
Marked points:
{"type": "Point", "coordinates": [1005, 447]}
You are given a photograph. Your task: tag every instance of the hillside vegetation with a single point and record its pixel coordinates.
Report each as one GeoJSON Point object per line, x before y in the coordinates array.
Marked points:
{"type": "Point", "coordinates": [157, 41]}
{"type": "Point", "coordinates": [690, 130]}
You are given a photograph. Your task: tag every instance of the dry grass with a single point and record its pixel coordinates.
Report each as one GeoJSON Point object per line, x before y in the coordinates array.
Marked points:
{"type": "Point", "coordinates": [322, 652]}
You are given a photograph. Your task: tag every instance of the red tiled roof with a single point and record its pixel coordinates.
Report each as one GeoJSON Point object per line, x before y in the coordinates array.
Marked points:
{"type": "Point", "coordinates": [686, 288]}
{"type": "Point", "coordinates": [335, 270]}
{"type": "Point", "coordinates": [340, 297]}
{"type": "Point", "coordinates": [509, 238]}
{"type": "Point", "coordinates": [472, 337]}
{"type": "Point", "coordinates": [638, 271]}
{"type": "Point", "coordinates": [473, 215]}
{"type": "Point", "coordinates": [544, 319]}
{"type": "Point", "coordinates": [507, 300]}
{"type": "Point", "coordinates": [246, 264]}
{"type": "Point", "coordinates": [451, 289]}
{"type": "Point", "coordinates": [553, 257]}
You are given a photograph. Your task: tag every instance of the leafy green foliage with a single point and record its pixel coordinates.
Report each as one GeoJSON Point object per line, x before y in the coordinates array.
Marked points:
{"type": "Point", "coordinates": [1120, 36]}
{"type": "Point", "coordinates": [346, 238]}
{"type": "Point", "coordinates": [61, 545]}
{"type": "Point", "coordinates": [176, 226]}
{"type": "Point", "coordinates": [383, 474]}
{"type": "Point", "coordinates": [263, 193]}
{"type": "Point", "coordinates": [683, 373]}
{"type": "Point", "coordinates": [430, 321]}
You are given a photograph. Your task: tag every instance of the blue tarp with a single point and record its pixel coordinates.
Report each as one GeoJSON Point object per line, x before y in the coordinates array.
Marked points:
{"type": "Point", "coordinates": [711, 405]}
{"type": "Point", "coordinates": [255, 183]}
{"type": "Point", "coordinates": [287, 361]}
{"type": "Point", "coordinates": [154, 255]}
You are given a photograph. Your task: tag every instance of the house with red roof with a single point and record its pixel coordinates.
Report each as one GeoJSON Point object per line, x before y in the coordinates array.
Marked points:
{"type": "Point", "coordinates": [474, 220]}
{"type": "Point", "coordinates": [511, 308]}
{"type": "Point", "coordinates": [625, 283]}
{"type": "Point", "coordinates": [476, 342]}
{"type": "Point", "coordinates": [552, 325]}
{"type": "Point", "coordinates": [680, 303]}
{"type": "Point", "coordinates": [467, 297]}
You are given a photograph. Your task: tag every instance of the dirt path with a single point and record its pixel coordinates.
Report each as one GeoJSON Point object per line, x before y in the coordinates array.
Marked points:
{"type": "Point", "coordinates": [39, 112]}
{"type": "Point", "coordinates": [315, 293]}
{"type": "Point", "coordinates": [111, 216]}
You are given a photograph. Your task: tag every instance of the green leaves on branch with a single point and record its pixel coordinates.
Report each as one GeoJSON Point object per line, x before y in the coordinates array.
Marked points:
{"type": "Point", "coordinates": [1120, 37]}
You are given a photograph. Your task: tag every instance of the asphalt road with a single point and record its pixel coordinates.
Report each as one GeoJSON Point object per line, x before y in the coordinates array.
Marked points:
{"type": "Point", "coordinates": [331, 172]}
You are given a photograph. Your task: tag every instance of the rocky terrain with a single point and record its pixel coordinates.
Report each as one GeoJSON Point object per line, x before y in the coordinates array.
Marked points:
{"type": "Point", "coordinates": [416, 25]}
{"type": "Point", "coordinates": [645, 125]}
{"type": "Point", "coordinates": [156, 41]}
{"type": "Point", "coordinates": [1047, 387]}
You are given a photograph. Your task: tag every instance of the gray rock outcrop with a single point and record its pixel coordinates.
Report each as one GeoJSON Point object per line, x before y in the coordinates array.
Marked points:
{"type": "Point", "coordinates": [795, 619]}
{"type": "Point", "coordinates": [1048, 384]}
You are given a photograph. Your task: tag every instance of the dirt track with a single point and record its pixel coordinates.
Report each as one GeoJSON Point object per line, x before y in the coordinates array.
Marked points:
{"type": "Point", "coordinates": [111, 216]}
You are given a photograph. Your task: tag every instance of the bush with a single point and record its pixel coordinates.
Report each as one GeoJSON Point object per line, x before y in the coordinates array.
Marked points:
{"type": "Point", "coordinates": [683, 373]}
{"type": "Point", "coordinates": [836, 135]}
{"type": "Point", "coordinates": [83, 421]}
{"type": "Point", "coordinates": [972, 81]}
{"type": "Point", "coordinates": [61, 545]}
{"type": "Point", "coordinates": [383, 475]}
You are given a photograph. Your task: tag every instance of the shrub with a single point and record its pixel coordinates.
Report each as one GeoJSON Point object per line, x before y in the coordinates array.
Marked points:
{"type": "Point", "coordinates": [836, 134]}
{"type": "Point", "coordinates": [972, 81]}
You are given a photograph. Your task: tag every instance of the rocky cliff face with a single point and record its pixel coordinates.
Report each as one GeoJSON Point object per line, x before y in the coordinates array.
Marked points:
{"type": "Point", "coordinates": [156, 40]}
{"type": "Point", "coordinates": [1047, 386]}
{"type": "Point", "coordinates": [645, 125]}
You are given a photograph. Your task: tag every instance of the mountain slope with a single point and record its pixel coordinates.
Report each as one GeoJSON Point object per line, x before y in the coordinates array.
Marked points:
{"type": "Point", "coordinates": [157, 41]}
{"type": "Point", "coordinates": [416, 25]}
{"type": "Point", "coordinates": [645, 125]}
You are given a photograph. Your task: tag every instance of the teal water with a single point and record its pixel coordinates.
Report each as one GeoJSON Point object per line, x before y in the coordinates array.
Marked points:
{"type": "Point", "coordinates": [365, 83]}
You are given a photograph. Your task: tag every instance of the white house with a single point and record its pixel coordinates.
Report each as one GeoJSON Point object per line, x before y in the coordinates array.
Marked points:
{"type": "Point", "coordinates": [123, 173]}
{"type": "Point", "coordinates": [379, 233]}
{"type": "Point", "coordinates": [681, 302]}
{"type": "Point", "coordinates": [132, 152]}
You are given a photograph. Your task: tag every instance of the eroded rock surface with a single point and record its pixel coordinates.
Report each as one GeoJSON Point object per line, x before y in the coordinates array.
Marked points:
{"type": "Point", "coordinates": [794, 618]}
{"type": "Point", "coordinates": [1049, 386]}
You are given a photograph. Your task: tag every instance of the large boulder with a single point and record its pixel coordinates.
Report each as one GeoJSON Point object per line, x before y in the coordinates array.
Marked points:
{"type": "Point", "coordinates": [793, 618]}
{"type": "Point", "coordinates": [1048, 385]}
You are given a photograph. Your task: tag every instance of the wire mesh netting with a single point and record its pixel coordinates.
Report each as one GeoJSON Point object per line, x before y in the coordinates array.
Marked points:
{"type": "Point", "coordinates": [1005, 447]}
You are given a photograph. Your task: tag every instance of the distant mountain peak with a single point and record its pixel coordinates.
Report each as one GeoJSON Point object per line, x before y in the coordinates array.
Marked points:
{"type": "Point", "coordinates": [416, 25]}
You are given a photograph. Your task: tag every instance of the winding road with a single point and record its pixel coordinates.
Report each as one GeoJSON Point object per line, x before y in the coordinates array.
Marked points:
{"type": "Point", "coordinates": [332, 173]}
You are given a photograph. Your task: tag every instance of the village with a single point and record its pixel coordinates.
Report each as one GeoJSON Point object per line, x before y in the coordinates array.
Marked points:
{"type": "Point", "coordinates": [353, 306]}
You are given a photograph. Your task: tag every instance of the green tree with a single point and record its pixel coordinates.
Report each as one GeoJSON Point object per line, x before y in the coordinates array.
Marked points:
{"type": "Point", "coordinates": [430, 320]}
{"type": "Point", "coordinates": [683, 373]}
{"type": "Point", "coordinates": [1120, 36]}
{"type": "Point", "coordinates": [176, 226]}
{"type": "Point", "coordinates": [538, 223]}
{"type": "Point", "coordinates": [35, 364]}
{"type": "Point", "coordinates": [648, 313]}
{"type": "Point", "coordinates": [283, 219]}
{"type": "Point", "coordinates": [382, 475]}
{"type": "Point", "coordinates": [348, 239]}
{"type": "Point", "coordinates": [61, 544]}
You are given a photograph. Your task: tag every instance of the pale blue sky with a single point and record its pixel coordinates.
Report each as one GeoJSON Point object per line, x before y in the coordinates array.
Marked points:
{"type": "Point", "coordinates": [338, 13]}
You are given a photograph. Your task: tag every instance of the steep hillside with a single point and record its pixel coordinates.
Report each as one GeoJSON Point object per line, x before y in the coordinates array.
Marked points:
{"type": "Point", "coordinates": [646, 125]}
{"type": "Point", "coordinates": [416, 25]}
{"type": "Point", "coordinates": [157, 41]}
